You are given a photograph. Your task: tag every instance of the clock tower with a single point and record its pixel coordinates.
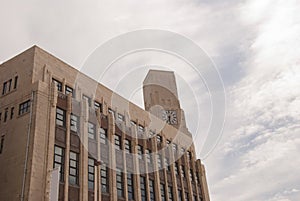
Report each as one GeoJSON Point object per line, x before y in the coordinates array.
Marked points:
{"type": "Point", "coordinates": [161, 98]}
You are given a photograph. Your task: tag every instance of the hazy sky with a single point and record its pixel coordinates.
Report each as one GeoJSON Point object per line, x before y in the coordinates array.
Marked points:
{"type": "Point", "coordinates": [255, 44]}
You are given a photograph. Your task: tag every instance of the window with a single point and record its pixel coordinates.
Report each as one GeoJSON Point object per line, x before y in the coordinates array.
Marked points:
{"type": "Point", "coordinates": [151, 189]}
{"type": "Point", "coordinates": [16, 82]}
{"type": "Point", "coordinates": [148, 155]}
{"type": "Point", "coordinates": [59, 158]}
{"type": "Point", "coordinates": [88, 99]}
{"type": "Point", "coordinates": [69, 90]}
{"type": "Point", "coordinates": [4, 88]}
{"type": "Point", "coordinates": [191, 175]}
{"type": "Point", "coordinates": [189, 155]}
{"type": "Point", "coordinates": [57, 84]}
{"type": "Point", "coordinates": [182, 150]}
{"type": "Point", "coordinates": [186, 196]}
{"type": "Point", "coordinates": [132, 123]}
{"type": "Point", "coordinates": [111, 111]}
{"type": "Point", "coordinates": [91, 173]}
{"type": "Point", "coordinates": [197, 178]}
{"type": "Point", "coordinates": [60, 117]}
{"type": "Point", "coordinates": [162, 192]}
{"type": "Point", "coordinates": [24, 107]}
{"type": "Point", "coordinates": [182, 171]}
{"type": "Point", "coordinates": [74, 123]}
{"type": "Point", "coordinates": [176, 168]}
{"type": "Point", "coordinates": [170, 193]}
{"type": "Point", "coordinates": [151, 133]}
{"type": "Point", "coordinates": [119, 178]}
{"type": "Point", "coordinates": [74, 167]}
{"type": "Point", "coordinates": [195, 198]}
{"type": "Point", "coordinates": [158, 161]}
{"type": "Point", "coordinates": [166, 163]}
{"type": "Point", "coordinates": [1, 144]}
{"type": "Point", "coordinates": [121, 117]}
{"type": "Point", "coordinates": [12, 112]}
{"type": "Point", "coordinates": [97, 106]}
{"type": "Point", "coordinates": [104, 178]}
{"type": "Point", "coordinates": [174, 147]}
{"type": "Point", "coordinates": [158, 139]}
{"type": "Point", "coordinates": [140, 151]}
{"type": "Point", "coordinates": [179, 195]}
{"type": "Point", "coordinates": [103, 135]}
{"type": "Point", "coordinates": [130, 186]}
{"type": "Point", "coordinates": [127, 146]}
{"type": "Point", "coordinates": [143, 188]}
{"type": "Point", "coordinates": [141, 128]}
{"type": "Point", "coordinates": [168, 142]}
{"type": "Point", "coordinates": [117, 142]}
{"type": "Point", "coordinates": [5, 114]}
{"type": "Point", "coordinates": [91, 130]}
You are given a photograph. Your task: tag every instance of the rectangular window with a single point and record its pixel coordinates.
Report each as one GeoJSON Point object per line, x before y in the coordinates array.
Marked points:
{"type": "Point", "coordinates": [162, 192]}
{"type": "Point", "coordinates": [182, 171]}
{"type": "Point", "coordinates": [189, 155]}
{"type": "Point", "coordinates": [91, 173]}
{"type": "Point", "coordinates": [186, 196]}
{"type": "Point", "coordinates": [120, 187]}
{"type": "Point", "coordinates": [158, 160]}
{"type": "Point", "coordinates": [88, 99]}
{"type": "Point", "coordinates": [130, 186]}
{"type": "Point", "coordinates": [111, 112]}
{"type": "Point", "coordinates": [166, 163]}
{"type": "Point", "coordinates": [91, 130]}
{"type": "Point", "coordinates": [158, 139]}
{"type": "Point", "coordinates": [24, 107]}
{"type": "Point", "coordinates": [179, 195]}
{"type": "Point", "coordinates": [4, 88]}
{"type": "Point", "coordinates": [117, 142]}
{"type": "Point", "coordinates": [170, 193]}
{"type": "Point", "coordinates": [104, 178]}
{"type": "Point", "coordinates": [60, 117]}
{"type": "Point", "coordinates": [195, 198]}
{"type": "Point", "coordinates": [151, 189]}
{"type": "Point", "coordinates": [140, 151]}
{"type": "Point", "coordinates": [97, 106]}
{"type": "Point", "coordinates": [103, 136]}
{"type": "Point", "coordinates": [121, 117]}
{"type": "Point", "coordinates": [1, 144]}
{"type": "Point", "coordinates": [132, 123]}
{"type": "Point", "coordinates": [74, 167]}
{"type": "Point", "coordinates": [16, 82]}
{"type": "Point", "coordinates": [182, 150]}
{"type": "Point", "coordinates": [5, 114]}
{"type": "Point", "coordinates": [12, 112]}
{"type": "Point", "coordinates": [174, 146]}
{"type": "Point", "coordinates": [141, 128]}
{"type": "Point", "coordinates": [148, 155]}
{"type": "Point", "coordinates": [127, 146]}
{"type": "Point", "coordinates": [74, 123]}
{"type": "Point", "coordinates": [69, 90]}
{"type": "Point", "coordinates": [143, 188]}
{"type": "Point", "coordinates": [151, 133]}
{"type": "Point", "coordinates": [58, 84]}
{"type": "Point", "coordinates": [176, 168]}
{"type": "Point", "coordinates": [191, 175]}
{"type": "Point", "coordinates": [59, 158]}
{"type": "Point", "coordinates": [168, 141]}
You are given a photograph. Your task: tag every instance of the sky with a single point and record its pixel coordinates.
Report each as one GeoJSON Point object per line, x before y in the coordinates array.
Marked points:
{"type": "Point", "coordinates": [254, 44]}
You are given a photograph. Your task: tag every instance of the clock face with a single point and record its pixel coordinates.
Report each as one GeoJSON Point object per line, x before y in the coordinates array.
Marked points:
{"type": "Point", "coordinates": [169, 116]}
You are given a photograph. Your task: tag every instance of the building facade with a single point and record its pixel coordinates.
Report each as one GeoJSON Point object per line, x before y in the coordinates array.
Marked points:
{"type": "Point", "coordinates": [105, 147]}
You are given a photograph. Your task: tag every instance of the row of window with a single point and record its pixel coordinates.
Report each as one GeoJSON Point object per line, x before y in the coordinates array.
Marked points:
{"type": "Point", "coordinates": [74, 124]}
{"type": "Point", "coordinates": [10, 112]}
{"type": "Point", "coordinates": [74, 177]}
{"type": "Point", "coordinates": [9, 85]}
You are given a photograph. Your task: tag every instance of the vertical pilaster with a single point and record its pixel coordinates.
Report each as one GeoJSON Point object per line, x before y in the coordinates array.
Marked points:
{"type": "Point", "coordinates": [112, 158]}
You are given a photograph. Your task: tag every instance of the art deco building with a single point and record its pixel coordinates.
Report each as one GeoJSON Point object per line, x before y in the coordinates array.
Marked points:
{"type": "Point", "coordinates": [102, 147]}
